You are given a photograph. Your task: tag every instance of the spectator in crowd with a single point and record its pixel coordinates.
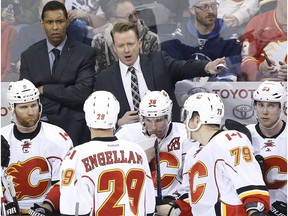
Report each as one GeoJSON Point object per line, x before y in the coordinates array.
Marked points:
{"type": "Point", "coordinates": [21, 13]}
{"type": "Point", "coordinates": [88, 11]}
{"type": "Point", "coordinates": [31, 34]}
{"type": "Point", "coordinates": [153, 71]}
{"type": "Point", "coordinates": [222, 174]}
{"type": "Point", "coordinates": [269, 139]}
{"type": "Point", "coordinates": [8, 35]}
{"type": "Point", "coordinates": [34, 150]}
{"type": "Point", "coordinates": [206, 37]}
{"type": "Point", "coordinates": [236, 14]}
{"type": "Point", "coordinates": [63, 70]}
{"type": "Point", "coordinates": [266, 34]}
{"type": "Point", "coordinates": [155, 111]}
{"type": "Point", "coordinates": [121, 11]}
{"type": "Point", "coordinates": [122, 168]}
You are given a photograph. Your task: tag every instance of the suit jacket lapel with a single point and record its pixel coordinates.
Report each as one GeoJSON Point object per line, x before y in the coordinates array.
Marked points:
{"type": "Point", "coordinates": [147, 71]}
{"type": "Point", "coordinates": [116, 80]}
{"type": "Point", "coordinates": [44, 60]}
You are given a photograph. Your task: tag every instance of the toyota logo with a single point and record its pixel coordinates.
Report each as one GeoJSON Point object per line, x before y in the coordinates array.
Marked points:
{"type": "Point", "coordinates": [243, 111]}
{"type": "Point", "coordinates": [193, 91]}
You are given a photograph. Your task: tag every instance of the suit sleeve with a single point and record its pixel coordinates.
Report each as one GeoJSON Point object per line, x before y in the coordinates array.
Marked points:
{"type": "Point", "coordinates": [180, 70]}
{"type": "Point", "coordinates": [77, 93]}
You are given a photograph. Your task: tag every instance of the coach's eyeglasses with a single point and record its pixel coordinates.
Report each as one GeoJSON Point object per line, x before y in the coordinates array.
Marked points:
{"type": "Point", "coordinates": [206, 7]}
{"type": "Point", "coordinates": [129, 16]}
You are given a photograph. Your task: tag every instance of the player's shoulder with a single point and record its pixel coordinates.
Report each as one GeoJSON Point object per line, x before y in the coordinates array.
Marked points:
{"type": "Point", "coordinates": [130, 132]}
{"type": "Point", "coordinates": [133, 126]}
{"type": "Point", "coordinates": [6, 130]}
{"type": "Point", "coordinates": [179, 126]}
{"type": "Point", "coordinates": [228, 138]}
{"type": "Point", "coordinates": [251, 126]}
{"type": "Point", "coordinates": [131, 145]}
{"type": "Point", "coordinates": [178, 129]}
{"type": "Point", "coordinates": [54, 133]}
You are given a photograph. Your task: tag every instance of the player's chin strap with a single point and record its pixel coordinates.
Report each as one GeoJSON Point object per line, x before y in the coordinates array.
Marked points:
{"type": "Point", "coordinates": [272, 126]}
{"type": "Point", "coordinates": [192, 130]}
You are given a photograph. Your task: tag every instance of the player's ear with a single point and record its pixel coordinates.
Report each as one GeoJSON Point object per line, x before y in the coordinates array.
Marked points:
{"type": "Point", "coordinates": [197, 119]}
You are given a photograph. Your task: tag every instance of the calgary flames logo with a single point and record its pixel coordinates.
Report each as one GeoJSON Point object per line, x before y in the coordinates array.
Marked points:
{"type": "Point", "coordinates": [268, 145]}
{"type": "Point", "coordinates": [26, 146]}
{"type": "Point", "coordinates": [28, 178]}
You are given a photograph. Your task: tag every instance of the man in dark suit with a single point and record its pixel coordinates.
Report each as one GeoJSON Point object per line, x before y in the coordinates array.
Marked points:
{"type": "Point", "coordinates": [155, 71]}
{"type": "Point", "coordinates": [64, 81]}
{"type": "Point", "coordinates": [32, 33]}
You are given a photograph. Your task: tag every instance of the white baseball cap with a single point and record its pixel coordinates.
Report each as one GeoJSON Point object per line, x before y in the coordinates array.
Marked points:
{"type": "Point", "coordinates": [193, 2]}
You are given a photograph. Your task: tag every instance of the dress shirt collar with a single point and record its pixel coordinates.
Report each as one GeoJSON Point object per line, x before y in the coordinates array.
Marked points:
{"type": "Point", "coordinates": [124, 67]}
{"type": "Point", "coordinates": [60, 46]}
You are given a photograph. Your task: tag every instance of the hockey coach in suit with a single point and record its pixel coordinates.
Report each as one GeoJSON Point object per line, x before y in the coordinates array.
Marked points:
{"type": "Point", "coordinates": [64, 72]}
{"type": "Point", "coordinates": [155, 71]}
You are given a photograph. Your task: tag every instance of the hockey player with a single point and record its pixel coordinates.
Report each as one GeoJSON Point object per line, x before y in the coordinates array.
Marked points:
{"type": "Point", "coordinates": [269, 139]}
{"type": "Point", "coordinates": [223, 176]}
{"type": "Point", "coordinates": [155, 112]}
{"type": "Point", "coordinates": [105, 176]}
{"type": "Point", "coordinates": [36, 149]}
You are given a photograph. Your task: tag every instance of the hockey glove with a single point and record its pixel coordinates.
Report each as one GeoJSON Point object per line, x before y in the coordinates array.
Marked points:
{"type": "Point", "coordinates": [278, 208]}
{"type": "Point", "coordinates": [5, 152]}
{"type": "Point", "coordinates": [37, 210]}
{"type": "Point", "coordinates": [256, 208]}
{"type": "Point", "coordinates": [11, 209]}
{"type": "Point", "coordinates": [260, 161]}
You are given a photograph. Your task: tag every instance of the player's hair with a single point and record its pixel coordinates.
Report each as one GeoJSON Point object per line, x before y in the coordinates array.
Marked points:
{"type": "Point", "coordinates": [52, 6]}
{"type": "Point", "coordinates": [124, 27]}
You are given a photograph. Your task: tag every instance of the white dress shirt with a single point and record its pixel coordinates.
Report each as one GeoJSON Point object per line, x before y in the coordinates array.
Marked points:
{"type": "Point", "coordinates": [126, 79]}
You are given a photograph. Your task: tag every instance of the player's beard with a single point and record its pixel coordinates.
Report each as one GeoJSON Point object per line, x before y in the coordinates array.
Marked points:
{"type": "Point", "coordinates": [207, 21]}
{"type": "Point", "coordinates": [27, 121]}
{"type": "Point", "coordinates": [159, 133]}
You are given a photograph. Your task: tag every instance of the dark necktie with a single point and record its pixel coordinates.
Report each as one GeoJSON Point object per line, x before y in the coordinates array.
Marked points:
{"type": "Point", "coordinates": [56, 53]}
{"type": "Point", "coordinates": [134, 88]}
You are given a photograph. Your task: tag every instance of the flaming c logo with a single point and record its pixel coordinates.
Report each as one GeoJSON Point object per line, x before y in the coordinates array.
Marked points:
{"type": "Point", "coordinates": [22, 172]}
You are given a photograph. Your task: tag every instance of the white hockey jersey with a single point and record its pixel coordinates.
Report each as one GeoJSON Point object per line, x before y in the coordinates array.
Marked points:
{"type": "Point", "coordinates": [106, 176]}
{"type": "Point", "coordinates": [172, 153]}
{"type": "Point", "coordinates": [223, 175]}
{"type": "Point", "coordinates": [274, 151]}
{"type": "Point", "coordinates": [35, 162]}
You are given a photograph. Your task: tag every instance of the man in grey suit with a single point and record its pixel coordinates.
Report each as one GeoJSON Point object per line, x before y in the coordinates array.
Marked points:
{"type": "Point", "coordinates": [63, 71]}
{"type": "Point", "coordinates": [155, 71]}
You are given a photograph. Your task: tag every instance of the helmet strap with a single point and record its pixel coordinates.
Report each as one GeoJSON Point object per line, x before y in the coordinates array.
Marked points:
{"type": "Point", "coordinates": [192, 130]}
{"type": "Point", "coordinates": [270, 127]}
